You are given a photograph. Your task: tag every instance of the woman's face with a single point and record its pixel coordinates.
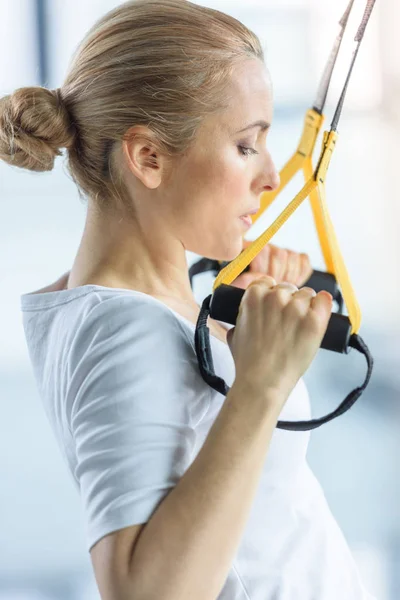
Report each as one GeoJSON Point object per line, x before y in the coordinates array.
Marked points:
{"type": "Point", "coordinates": [226, 170]}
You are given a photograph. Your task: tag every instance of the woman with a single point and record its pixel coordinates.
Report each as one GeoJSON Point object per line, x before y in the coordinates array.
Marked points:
{"type": "Point", "coordinates": [186, 494]}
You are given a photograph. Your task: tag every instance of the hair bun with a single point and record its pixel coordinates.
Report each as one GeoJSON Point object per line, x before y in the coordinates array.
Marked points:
{"type": "Point", "coordinates": [34, 125]}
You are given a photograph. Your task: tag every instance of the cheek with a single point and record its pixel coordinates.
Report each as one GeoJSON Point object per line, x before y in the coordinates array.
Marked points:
{"type": "Point", "coordinates": [212, 192]}
{"type": "Point", "coordinates": [222, 183]}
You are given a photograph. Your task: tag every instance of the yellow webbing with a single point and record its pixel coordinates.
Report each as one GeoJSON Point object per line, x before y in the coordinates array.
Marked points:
{"type": "Point", "coordinates": [315, 189]}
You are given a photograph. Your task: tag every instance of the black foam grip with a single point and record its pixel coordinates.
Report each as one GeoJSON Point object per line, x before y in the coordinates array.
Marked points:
{"type": "Point", "coordinates": [320, 280]}
{"type": "Point", "coordinates": [224, 306]}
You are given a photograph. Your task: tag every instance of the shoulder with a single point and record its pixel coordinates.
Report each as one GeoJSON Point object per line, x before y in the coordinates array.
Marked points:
{"type": "Point", "coordinates": [129, 347]}
{"type": "Point", "coordinates": [126, 319]}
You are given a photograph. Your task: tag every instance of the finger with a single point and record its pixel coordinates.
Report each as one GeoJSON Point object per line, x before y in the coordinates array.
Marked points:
{"type": "Point", "coordinates": [284, 290]}
{"type": "Point", "coordinates": [288, 285]}
{"type": "Point", "coordinates": [302, 299]}
{"type": "Point", "coordinates": [257, 265]}
{"type": "Point", "coordinates": [266, 258]}
{"type": "Point", "coordinates": [278, 261]}
{"type": "Point", "coordinates": [273, 269]}
{"type": "Point", "coordinates": [322, 305]}
{"type": "Point", "coordinates": [306, 292]}
{"type": "Point", "coordinates": [260, 263]}
{"type": "Point", "coordinates": [244, 280]}
{"type": "Point", "coordinates": [263, 280]}
{"type": "Point", "coordinates": [253, 291]}
{"type": "Point", "coordinates": [266, 279]}
{"type": "Point", "coordinates": [306, 269]}
{"type": "Point", "coordinates": [293, 267]}
{"type": "Point", "coordinates": [284, 258]}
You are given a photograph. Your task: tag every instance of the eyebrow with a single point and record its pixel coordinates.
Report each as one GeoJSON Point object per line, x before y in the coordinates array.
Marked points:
{"type": "Point", "coordinates": [263, 124]}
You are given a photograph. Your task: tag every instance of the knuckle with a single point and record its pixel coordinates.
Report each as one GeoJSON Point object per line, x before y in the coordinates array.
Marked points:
{"type": "Point", "coordinates": [256, 290]}
{"type": "Point", "coordinates": [265, 279]}
{"type": "Point", "coordinates": [279, 297]}
{"type": "Point", "coordinates": [308, 290]}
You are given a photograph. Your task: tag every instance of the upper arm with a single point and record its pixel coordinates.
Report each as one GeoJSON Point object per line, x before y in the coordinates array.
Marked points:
{"type": "Point", "coordinates": [111, 561]}
{"type": "Point", "coordinates": [132, 400]}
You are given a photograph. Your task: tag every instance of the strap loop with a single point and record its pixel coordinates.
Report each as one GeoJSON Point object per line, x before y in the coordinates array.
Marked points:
{"type": "Point", "coordinates": [206, 366]}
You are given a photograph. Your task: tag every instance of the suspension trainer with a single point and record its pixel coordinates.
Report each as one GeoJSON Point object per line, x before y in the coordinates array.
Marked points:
{"type": "Point", "coordinates": [223, 304]}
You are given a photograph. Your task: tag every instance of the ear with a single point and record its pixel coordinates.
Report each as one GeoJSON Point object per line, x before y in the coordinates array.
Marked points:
{"type": "Point", "coordinates": [143, 156]}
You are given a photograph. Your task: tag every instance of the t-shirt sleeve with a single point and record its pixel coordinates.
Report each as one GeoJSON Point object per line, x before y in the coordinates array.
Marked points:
{"type": "Point", "coordinates": [134, 399]}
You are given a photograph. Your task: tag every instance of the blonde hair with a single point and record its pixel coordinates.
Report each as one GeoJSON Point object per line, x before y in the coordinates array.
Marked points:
{"type": "Point", "coordinates": [159, 63]}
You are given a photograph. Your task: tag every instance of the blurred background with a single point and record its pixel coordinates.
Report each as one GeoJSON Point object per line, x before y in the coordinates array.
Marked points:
{"type": "Point", "coordinates": [356, 457]}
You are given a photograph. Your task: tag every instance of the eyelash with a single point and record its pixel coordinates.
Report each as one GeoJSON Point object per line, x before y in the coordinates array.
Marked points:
{"type": "Point", "coordinates": [244, 151]}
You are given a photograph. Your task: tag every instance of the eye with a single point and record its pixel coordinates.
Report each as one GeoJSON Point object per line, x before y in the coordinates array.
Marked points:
{"type": "Point", "coordinates": [246, 151]}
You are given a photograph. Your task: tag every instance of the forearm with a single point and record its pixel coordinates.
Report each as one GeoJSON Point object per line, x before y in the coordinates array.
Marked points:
{"type": "Point", "coordinates": [187, 547]}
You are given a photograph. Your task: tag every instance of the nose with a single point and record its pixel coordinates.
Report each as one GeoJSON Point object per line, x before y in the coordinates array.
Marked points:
{"type": "Point", "coordinates": [271, 179]}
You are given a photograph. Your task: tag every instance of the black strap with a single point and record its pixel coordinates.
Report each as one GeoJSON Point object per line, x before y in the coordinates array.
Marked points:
{"type": "Point", "coordinates": [203, 265]}
{"type": "Point", "coordinates": [206, 366]}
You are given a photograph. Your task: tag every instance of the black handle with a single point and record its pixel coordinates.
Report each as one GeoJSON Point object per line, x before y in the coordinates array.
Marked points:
{"type": "Point", "coordinates": [224, 306]}
{"type": "Point", "coordinates": [319, 280]}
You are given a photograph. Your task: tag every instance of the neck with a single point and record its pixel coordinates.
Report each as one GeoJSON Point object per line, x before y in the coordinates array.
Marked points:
{"type": "Point", "coordinates": [115, 252]}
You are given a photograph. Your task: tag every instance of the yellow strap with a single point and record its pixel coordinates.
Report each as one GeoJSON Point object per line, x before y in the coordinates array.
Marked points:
{"type": "Point", "coordinates": [312, 124]}
{"type": "Point", "coordinates": [315, 188]}
{"type": "Point", "coordinates": [339, 268]}
{"type": "Point", "coordinates": [318, 218]}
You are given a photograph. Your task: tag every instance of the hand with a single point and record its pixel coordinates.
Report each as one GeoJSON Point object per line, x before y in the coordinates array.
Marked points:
{"type": "Point", "coordinates": [277, 334]}
{"type": "Point", "coordinates": [279, 263]}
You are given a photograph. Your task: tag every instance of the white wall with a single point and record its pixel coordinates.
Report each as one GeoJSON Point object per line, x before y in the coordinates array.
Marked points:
{"type": "Point", "coordinates": [18, 52]}
{"type": "Point", "coordinates": [365, 87]}
{"type": "Point", "coordinates": [390, 56]}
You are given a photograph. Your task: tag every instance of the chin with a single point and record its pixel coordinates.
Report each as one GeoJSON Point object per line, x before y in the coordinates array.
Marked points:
{"type": "Point", "coordinates": [220, 245]}
{"type": "Point", "coordinates": [226, 252]}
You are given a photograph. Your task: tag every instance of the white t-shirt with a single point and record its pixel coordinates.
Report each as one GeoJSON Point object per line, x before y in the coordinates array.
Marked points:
{"type": "Point", "coordinates": [118, 376]}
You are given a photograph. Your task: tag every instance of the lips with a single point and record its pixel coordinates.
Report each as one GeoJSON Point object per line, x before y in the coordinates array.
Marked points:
{"type": "Point", "coordinates": [251, 212]}
{"type": "Point", "coordinates": [247, 220]}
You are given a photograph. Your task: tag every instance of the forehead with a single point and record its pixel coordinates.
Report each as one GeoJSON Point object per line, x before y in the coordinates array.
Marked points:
{"type": "Point", "coordinates": [249, 95]}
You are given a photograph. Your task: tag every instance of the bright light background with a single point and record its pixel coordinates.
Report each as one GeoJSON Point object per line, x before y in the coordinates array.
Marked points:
{"type": "Point", "coordinates": [356, 458]}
